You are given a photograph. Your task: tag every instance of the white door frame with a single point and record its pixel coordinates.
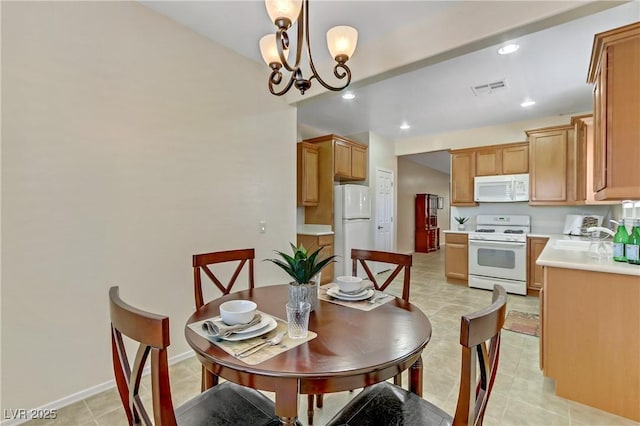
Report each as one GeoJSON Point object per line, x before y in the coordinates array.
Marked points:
{"type": "Point", "coordinates": [378, 243]}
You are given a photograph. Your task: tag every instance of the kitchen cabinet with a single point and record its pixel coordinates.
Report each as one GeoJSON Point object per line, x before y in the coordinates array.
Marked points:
{"type": "Point", "coordinates": [515, 159]}
{"type": "Point", "coordinates": [427, 233]}
{"type": "Point", "coordinates": [502, 160]}
{"type": "Point", "coordinates": [549, 167]}
{"type": "Point", "coordinates": [339, 159]}
{"type": "Point", "coordinates": [614, 70]}
{"type": "Point", "coordinates": [349, 158]}
{"type": "Point", "coordinates": [535, 245]}
{"type": "Point", "coordinates": [307, 165]}
{"type": "Point", "coordinates": [589, 338]}
{"type": "Point", "coordinates": [463, 169]}
{"type": "Point", "coordinates": [456, 258]}
{"type": "Point", "coordinates": [311, 243]}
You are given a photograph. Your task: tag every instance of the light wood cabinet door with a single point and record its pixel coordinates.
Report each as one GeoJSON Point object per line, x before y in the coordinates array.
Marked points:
{"type": "Point", "coordinates": [535, 277]}
{"type": "Point", "coordinates": [548, 165]}
{"type": "Point", "coordinates": [600, 134]}
{"type": "Point", "coordinates": [615, 66]}
{"type": "Point", "coordinates": [463, 165]}
{"type": "Point", "coordinates": [342, 159]}
{"type": "Point", "coordinates": [515, 159]}
{"type": "Point", "coordinates": [358, 163]}
{"type": "Point", "coordinates": [307, 166]}
{"type": "Point", "coordinates": [488, 162]}
{"type": "Point", "coordinates": [311, 243]}
{"type": "Point", "coordinates": [456, 256]}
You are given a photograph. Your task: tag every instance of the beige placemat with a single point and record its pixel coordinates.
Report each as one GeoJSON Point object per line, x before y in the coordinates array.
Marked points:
{"type": "Point", "coordinates": [363, 305]}
{"type": "Point", "coordinates": [266, 352]}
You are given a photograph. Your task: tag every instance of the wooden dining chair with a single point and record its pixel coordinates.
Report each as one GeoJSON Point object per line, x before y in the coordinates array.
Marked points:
{"type": "Point", "coordinates": [387, 404]}
{"type": "Point", "coordinates": [225, 404]}
{"type": "Point", "coordinates": [203, 263]}
{"type": "Point", "coordinates": [402, 263]}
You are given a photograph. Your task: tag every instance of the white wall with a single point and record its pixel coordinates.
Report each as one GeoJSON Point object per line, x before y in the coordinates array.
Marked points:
{"type": "Point", "coordinates": [414, 178]}
{"type": "Point", "coordinates": [128, 144]}
{"type": "Point", "coordinates": [381, 155]}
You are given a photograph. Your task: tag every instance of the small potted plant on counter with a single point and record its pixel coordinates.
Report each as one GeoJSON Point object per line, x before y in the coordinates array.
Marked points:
{"type": "Point", "coordinates": [461, 221]}
{"type": "Point", "coordinates": [305, 269]}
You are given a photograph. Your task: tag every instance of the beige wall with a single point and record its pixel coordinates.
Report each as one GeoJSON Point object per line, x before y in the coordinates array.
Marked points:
{"type": "Point", "coordinates": [414, 178]}
{"type": "Point", "coordinates": [128, 144]}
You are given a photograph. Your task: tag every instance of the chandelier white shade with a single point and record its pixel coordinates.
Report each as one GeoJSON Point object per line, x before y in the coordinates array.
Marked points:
{"type": "Point", "coordinates": [341, 41]}
{"type": "Point", "coordinates": [289, 9]}
{"type": "Point", "coordinates": [269, 50]}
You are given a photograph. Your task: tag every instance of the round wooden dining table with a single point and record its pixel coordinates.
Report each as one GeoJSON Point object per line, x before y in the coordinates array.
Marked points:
{"type": "Point", "coordinates": [353, 349]}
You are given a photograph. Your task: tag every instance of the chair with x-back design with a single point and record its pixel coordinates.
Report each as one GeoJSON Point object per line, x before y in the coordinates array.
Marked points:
{"type": "Point", "coordinates": [203, 263]}
{"type": "Point", "coordinates": [401, 262]}
{"type": "Point", "coordinates": [225, 404]}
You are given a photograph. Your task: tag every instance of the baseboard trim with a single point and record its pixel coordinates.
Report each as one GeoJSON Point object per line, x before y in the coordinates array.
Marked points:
{"type": "Point", "coordinates": [84, 394]}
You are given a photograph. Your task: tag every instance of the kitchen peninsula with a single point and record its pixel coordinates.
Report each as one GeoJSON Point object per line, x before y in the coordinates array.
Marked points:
{"type": "Point", "coordinates": [590, 328]}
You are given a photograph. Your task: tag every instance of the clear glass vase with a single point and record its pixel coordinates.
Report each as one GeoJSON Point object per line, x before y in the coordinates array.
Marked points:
{"type": "Point", "coordinates": [304, 293]}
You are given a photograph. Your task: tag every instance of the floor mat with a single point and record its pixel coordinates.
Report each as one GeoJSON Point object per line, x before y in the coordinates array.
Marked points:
{"type": "Point", "coordinates": [523, 322]}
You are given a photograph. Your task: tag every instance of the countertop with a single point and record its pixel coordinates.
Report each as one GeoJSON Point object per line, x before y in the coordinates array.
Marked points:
{"type": "Point", "coordinates": [574, 259]}
{"type": "Point", "coordinates": [317, 230]}
{"type": "Point", "coordinates": [455, 231]}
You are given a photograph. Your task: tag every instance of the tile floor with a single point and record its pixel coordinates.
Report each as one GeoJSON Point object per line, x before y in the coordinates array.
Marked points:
{"type": "Point", "coordinates": [521, 395]}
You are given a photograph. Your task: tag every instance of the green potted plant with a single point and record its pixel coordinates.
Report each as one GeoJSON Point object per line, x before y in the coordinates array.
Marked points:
{"type": "Point", "coordinates": [304, 268]}
{"type": "Point", "coordinates": [461, 221]}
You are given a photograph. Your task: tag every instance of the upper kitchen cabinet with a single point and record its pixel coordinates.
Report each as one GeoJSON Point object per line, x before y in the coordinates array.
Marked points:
{"type": "Point", "coordinates": [307, 174]}
{"type": "Point", "coordinates": [549, 175]}
{"type": "Point", "coordinates": [463, 169]}
{"type": "Point", "coordinates": [349, 158]}
{"type": "Point", "coordinates": [614, 71]}
{"type": "Point", "coordinates": [339, 159]}
{"type": "Point", "coordinates": [502, 159]}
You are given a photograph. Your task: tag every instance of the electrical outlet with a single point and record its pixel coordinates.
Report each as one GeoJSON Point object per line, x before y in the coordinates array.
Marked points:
{"type": "Point", "coordinates": [262, 227]}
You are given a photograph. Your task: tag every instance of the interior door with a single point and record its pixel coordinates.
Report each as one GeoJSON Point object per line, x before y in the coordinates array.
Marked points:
{"type": "Point", "coordinates": [383, 220]}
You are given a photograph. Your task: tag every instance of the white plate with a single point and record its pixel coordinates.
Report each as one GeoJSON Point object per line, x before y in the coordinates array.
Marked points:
{"type": "Point", "coordinates": [245, 334]}
{"type": "Point", "coordinates": [335, 292]}
{"type": "Point", "coordinates": [264, 321]}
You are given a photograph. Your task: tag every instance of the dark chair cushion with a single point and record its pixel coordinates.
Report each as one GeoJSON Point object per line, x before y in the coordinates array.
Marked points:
{"type": "Point", "coordinates": [228, 404]}
{"type": "Point", "coordinates": [389, 405]}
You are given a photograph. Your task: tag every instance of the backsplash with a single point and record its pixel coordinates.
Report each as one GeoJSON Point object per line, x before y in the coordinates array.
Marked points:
{"type": "Point", "coordinates": [544, 219]}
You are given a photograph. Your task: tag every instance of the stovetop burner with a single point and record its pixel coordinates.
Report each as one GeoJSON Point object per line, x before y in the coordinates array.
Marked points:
{"type": "Point", "coordinates": [514, 231]}
{"type": "Point", "coordinates": [485, 230]}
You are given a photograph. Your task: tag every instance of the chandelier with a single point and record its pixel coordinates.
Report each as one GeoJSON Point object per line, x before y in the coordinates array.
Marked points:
{"type": "Point", "coordinates": [341, 41]}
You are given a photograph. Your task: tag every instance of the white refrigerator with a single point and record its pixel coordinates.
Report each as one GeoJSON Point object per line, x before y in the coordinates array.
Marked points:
{"type": "Point", "coordinates": [352, 218]}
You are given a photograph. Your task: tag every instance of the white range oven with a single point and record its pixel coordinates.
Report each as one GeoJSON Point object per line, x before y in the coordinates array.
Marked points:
{"type": "Point", "coordinates": [498, 252]}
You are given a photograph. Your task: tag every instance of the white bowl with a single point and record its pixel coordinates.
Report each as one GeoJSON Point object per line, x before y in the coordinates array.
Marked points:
{"type": "Point", "coordinates": [237, 311]}
{"type": "Point", "coordinates": [349, 284]}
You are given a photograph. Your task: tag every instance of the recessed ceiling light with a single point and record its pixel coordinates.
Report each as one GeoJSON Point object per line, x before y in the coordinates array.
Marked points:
{"type": "Point", "coordinates": [508, 48]}
{"type": "Point", "coordinates": [527, 104]}
{"type": "Point", "coordinates": [348, 96]}
{"type": "Point", "coordinates": [405, 126]}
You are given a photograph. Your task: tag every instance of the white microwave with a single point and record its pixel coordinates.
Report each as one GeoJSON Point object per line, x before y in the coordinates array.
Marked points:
{"type": "Point", "coordinates": [502, 188]}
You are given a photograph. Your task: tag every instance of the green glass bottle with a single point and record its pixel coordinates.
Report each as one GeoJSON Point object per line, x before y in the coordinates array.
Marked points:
{"type": "Point", "coordinates": [632, 248]}
{"type": "Point", "coordinates": [619, 241]}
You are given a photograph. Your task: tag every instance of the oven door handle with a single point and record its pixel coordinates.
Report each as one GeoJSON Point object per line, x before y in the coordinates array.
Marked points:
{"type": "Point", "coordinates": [497, 243]}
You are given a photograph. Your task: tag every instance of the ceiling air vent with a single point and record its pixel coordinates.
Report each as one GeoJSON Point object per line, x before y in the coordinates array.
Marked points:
{"type": "Point", "coordinates": [488, 88]}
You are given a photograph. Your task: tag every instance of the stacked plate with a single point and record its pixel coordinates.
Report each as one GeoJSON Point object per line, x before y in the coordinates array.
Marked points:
{"type": "Point", "coordinates": [361, 295]}
{"type": "Point", "coordinates": [266, 324]}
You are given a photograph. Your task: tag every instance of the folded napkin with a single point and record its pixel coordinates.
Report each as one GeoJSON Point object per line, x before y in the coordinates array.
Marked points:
{"type": "Point", "coordinates": [217, 328]}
